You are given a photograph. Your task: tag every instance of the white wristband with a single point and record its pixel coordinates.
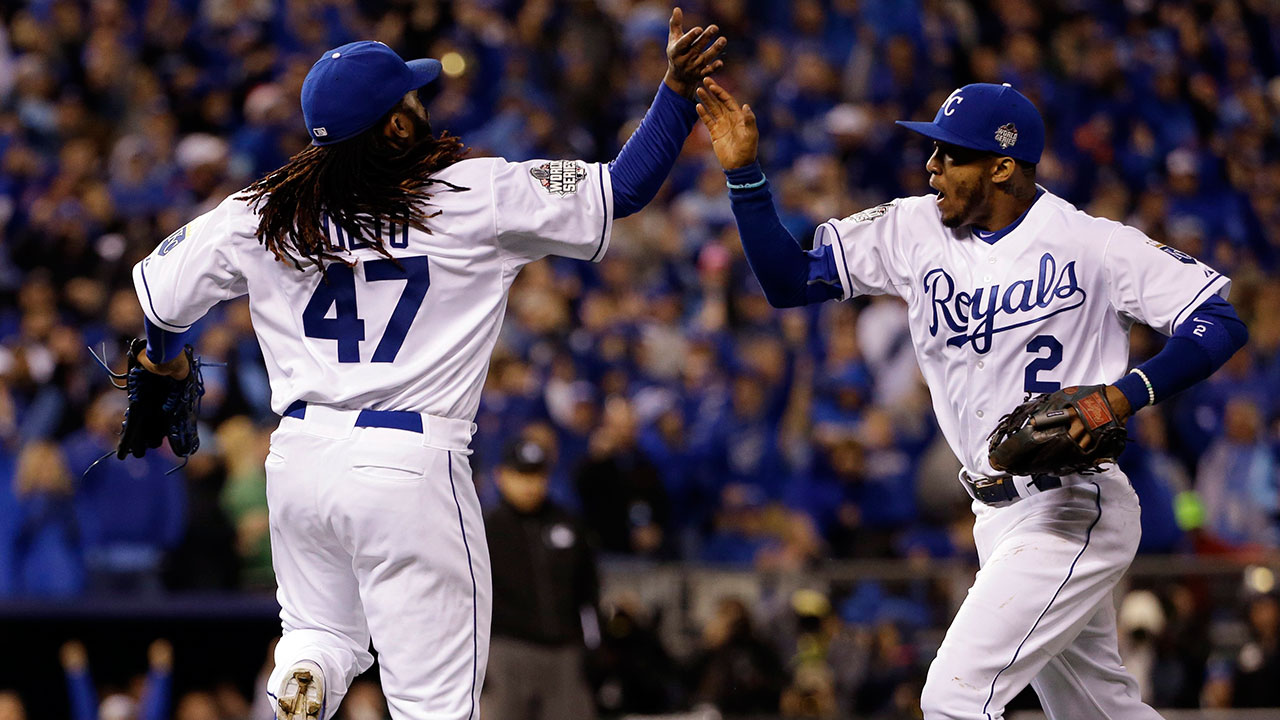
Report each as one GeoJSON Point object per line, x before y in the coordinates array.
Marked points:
{"type": "Point", "coordinates": [1151, 392]}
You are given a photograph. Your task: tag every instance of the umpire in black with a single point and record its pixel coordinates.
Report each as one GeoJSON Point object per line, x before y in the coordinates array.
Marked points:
{"type": "Point", "coordinates": [545, 588]}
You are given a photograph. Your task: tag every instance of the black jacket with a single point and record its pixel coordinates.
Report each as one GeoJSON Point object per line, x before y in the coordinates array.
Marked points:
{"type": "Point", "coordinates": [544, 573]}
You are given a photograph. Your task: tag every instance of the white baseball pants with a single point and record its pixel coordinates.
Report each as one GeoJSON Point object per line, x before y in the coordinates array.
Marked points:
{"type": "Point", "coordinates": [377, 534]}
{"type": "Point", "coordinates": [1041, 611]}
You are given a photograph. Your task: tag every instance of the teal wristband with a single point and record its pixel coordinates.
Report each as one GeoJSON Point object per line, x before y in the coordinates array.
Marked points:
{"type": "Point", "coordinates": [749, 186]}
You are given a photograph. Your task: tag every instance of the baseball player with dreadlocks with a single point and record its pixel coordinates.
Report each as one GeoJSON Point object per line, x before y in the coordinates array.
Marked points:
{"type": "Point", "coordinates": [377, 264]}
{"type": "Point", "coordinates": [1011, 291]}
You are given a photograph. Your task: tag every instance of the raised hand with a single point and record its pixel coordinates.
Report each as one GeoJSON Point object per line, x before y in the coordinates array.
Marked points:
{"type": "Point", "coordinates": [734, 137]}
{"type": "Point", "coordinates": [691, 55]}
{"type": "Point", "coordinates": [160, 655]}
{"type": "Point", "coordinates": [74, 657]}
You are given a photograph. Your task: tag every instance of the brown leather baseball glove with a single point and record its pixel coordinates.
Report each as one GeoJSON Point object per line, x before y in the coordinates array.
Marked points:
{"type": "Point", "coordinates": [1034, 439]}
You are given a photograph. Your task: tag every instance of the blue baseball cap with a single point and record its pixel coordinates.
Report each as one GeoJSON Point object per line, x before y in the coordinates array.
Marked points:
{"type": "Point", "coordinates": [351, 87]}
{"type": "Point", "coordinates": [987, 117]}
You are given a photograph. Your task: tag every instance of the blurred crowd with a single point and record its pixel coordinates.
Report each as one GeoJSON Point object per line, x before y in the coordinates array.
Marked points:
{"type": "Point", "coordinates": [686, 419]}
{"type": "Point", "coordinates": [801, 654]}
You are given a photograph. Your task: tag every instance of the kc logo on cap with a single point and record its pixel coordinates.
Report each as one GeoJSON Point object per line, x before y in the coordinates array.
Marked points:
{"type": "Point", "coordinates": [955, 98]}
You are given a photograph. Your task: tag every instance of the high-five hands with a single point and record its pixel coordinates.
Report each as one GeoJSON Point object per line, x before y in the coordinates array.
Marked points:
{"type": "Point", "coordinates": [733, 127]}
{"type": "Point", "coordinates": [691, 55]}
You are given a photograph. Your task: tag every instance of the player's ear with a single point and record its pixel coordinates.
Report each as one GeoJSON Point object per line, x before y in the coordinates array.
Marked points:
{"type": "Point", "coordinates": [1003, 169]}
{"type": "Point", "coordinates": [399, 126]}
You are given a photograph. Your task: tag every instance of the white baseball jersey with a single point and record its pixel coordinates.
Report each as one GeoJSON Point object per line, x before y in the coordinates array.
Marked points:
{"type": "Point", "coordinates": [413, 336]}
{"type": "Point", "coordinates": [1047, 306]}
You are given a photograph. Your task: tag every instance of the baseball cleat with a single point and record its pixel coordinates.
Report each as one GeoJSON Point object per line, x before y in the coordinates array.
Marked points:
{"type": "Point", "coordinates": [301, 693]}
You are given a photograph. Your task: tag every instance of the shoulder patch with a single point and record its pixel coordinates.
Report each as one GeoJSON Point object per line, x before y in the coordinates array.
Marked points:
{"type": "Point", "coordinates": [172, 241]}
{"type": "Point", "coordinates": [872, 213]}
{"type": "Point", "coordinates": [1172, 252]}
{"type": "Point", "coordinates": [560, 177]}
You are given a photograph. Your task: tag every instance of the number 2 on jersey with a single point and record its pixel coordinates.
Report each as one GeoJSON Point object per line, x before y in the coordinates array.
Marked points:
{"type": "Point", "coordinates": [1033, 382]}
{"type": "Point", "coordinates": [346, 326]}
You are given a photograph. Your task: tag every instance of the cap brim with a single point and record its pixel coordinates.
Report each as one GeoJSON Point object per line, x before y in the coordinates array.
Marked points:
{"type": "Point", "coordinates": [933, 132]}
{"type": "Point", "coordinates": [424, 71]}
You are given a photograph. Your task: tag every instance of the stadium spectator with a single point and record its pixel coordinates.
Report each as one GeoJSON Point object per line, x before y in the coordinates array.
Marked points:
{"type": "Point", "coordinates": [666, 441]}
{"type": "Point", "coordinates": [743, 448]}
{"type": "Point", "coordinates": [206, 558]}
{"type": "Point", "coordinates": [243, 449]}
{"type": "Point", "coordinates": [1258, 664]}
{"type": "Point", "coordinates": [1239, 482]}
{"type": "Point", "coordinates": [1140, 622]}
{"type": "Point", "coordinates": [130, 512]}
{"type": "Point", "coordinates": [1159, 479]}
{"type": "Point", "coordinates": [825, 657]}
{"type": "Point", "coordinates": [736, 671]}
{"type": "Point", "coordinates": [42, 554]}
{"type": "Point", "coordinates": [633, 672]}
{"type": "Point", "coordinates": [623, 500]}
{"type": "Point", "coordinates": [149, 700]}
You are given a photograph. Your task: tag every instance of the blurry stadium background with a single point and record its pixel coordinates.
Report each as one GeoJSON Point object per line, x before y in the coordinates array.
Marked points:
{"type": "Point", "coordinates": [781, 529]}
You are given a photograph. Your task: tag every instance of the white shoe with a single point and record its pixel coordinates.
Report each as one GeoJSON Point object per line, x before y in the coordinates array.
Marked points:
{"type": "Point", "coordinates": [301, 693]}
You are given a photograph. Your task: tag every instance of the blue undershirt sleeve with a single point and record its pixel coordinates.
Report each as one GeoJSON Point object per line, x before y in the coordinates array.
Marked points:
{"type": "Point", "coordinates": [789, 275]}
{"type": "Point", "coordinates": [649, 154]}
{"type": "Point", "coordinates": [1201, 344]}
{"type": "Point", "coordinates": [162, 345]}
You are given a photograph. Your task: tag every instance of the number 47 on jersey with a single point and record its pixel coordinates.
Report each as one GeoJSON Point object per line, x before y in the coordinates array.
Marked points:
{"type": "Point", "coordinates": [332, 314]}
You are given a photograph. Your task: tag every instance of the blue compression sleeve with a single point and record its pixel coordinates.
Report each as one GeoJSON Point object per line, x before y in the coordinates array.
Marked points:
{"type": "Point", "coordinates": [1202, 344]}
{"type": "Point", "coordinates": [789, 275]}
{"type": "Point", "coordinates": [162, 345]}
{"type": "Point", "coordinates": [645, 161]}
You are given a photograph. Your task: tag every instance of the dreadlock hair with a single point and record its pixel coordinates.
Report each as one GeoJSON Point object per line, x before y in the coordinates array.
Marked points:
{"type": "Point", "coordinates": [357, 184]}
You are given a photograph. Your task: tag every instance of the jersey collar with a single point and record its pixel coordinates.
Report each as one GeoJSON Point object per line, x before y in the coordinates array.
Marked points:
{"type": "Point", "coordinates": [990, 237]}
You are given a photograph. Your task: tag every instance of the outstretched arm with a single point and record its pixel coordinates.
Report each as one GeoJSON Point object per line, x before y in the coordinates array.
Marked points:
{"type": "Point", "coordinates": [83, 698]}
{"type": "Point", "coordinates": [788, 274]}
{"type": "Point", "coordinates": [157, 697]}
{"type": "Point", "coordinates": [645, 161]}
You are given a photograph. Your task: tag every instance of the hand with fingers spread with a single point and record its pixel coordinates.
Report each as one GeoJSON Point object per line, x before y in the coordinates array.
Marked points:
{"type": "Point", "coordinates": [691, 55]}
{"type": "Point", "coordinates": [734, 136]}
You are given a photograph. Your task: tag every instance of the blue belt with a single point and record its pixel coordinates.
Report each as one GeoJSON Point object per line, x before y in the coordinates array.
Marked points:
{"type": "Point", "coordinates": [1001, 489]}
{"type": "Point", "coordinates": [394, 419]}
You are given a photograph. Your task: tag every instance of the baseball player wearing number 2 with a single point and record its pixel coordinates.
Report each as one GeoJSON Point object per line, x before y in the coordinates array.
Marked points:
{"type": "Point", "coordinates": [377, 265]}
{"type": "Point", "coordinates": [1011, 291]}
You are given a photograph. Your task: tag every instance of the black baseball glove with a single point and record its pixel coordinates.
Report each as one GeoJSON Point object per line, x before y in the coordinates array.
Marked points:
{"type": "Point", "coordinates": [1035, 438]}
{"type": "Point", "coordinates": [160, 407]}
